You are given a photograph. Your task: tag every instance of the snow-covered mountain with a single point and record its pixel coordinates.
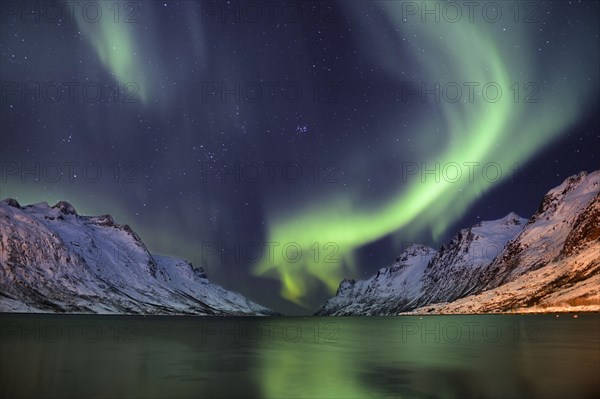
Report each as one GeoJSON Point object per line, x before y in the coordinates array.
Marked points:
{"type": "Point", "coordinates": [455, 270]}
{"type": "Point", "coordinates": [421, 275]}
{"type": "Point", "coordinates": [392, 288]}
{"type": "Point", "coordinates": [553, 265]}
{"type": "Point", "coordinates": [54, 260]}
{"type": "Point", "coordinates": [546, 233]}
{"type": "Point", "coordinates": [550, 261]}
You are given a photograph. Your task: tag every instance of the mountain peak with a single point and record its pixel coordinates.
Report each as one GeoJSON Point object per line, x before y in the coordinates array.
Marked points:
{"type": "Point", "coordinates": [65, 208]}
{"type": "Point", "coordinates": [511, 216]}
{"type": "Point", "coordinates": [414, 250]}
{"type": "Point", "coordinates": [12, 202]}
{"type": "Point", "coordinates": [512, 219]}
{"type": "Point", "coordinates": [345, 284]}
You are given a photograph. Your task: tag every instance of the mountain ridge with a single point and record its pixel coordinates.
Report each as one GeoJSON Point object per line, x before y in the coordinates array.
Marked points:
{"type": "Point", "coordinates": [55, 260]}
{"type": "Point", "coordinates": [548, 261]}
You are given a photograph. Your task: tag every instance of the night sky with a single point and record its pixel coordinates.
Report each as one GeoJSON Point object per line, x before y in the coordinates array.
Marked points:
{"type": "Point", "coordinates": [234, 134]}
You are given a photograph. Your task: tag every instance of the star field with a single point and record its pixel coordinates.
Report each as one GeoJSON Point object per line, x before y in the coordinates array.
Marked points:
{"type": "Point", "coordinates": [215, 132]}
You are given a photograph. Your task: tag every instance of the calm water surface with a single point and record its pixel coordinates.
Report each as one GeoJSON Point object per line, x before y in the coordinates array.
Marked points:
{"type": "Point", "coordinates": [496, 356]}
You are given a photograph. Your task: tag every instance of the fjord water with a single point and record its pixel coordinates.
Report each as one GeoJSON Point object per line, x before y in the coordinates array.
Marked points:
{"type": "Point", "coordinates": [491, 356]}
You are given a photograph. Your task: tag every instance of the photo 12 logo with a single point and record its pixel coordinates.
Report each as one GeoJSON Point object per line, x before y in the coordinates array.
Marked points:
{"type": "Point", "coordinates": [64, 12]}
{"type": "Point", "coordinates": [70, 171]}
{"type": "Point", "coordinates": [234, 331]}
{"type": "Point", "coordinates": [273, 12]}
{"type": "Point", "coordinates": [427, 331]}
{"type": "Point", "coordinates": [68, 92]}
{"type": "Point", "coordinates": [471, 11]}
{"type": "Point", "coordinates": [269, 92]}
{"type": "Point", "coordinates": [461, 172]}
{"type": "Point", "coordinates": [451, 172]}
{"type": "Point", "coordinates": [268, 172]}
{"type": "Point", "coordinates": [488, 249]}
{"type": "Point", "coordinates": [468, 92]}
{"type": "Point", "coordinates": [69, 332]}
{"type": "Point", "coordinates": [269, 251]}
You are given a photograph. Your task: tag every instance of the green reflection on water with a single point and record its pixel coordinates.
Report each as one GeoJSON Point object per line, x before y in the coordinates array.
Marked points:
{"type": "Point", "coordinates": [181, 357]}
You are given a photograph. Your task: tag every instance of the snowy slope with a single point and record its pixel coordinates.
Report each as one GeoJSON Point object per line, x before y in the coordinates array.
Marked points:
{"type": "Point", "coordinates": [454, 271]}
{"type": "Point", "coordinates": [390, 289]}
{"type": "Point", "coordinates": [568, 278]}
{"type": "Point", "coordinates": [550, 262]}
{"type": "Point", "coordinates": [423, 275]}
{"type": "Point", "coordinates": [54, 260]}
{"type": "Point", "coordinates": [546, 232]}
{"type": "Point", "coordinates": [563, 285]}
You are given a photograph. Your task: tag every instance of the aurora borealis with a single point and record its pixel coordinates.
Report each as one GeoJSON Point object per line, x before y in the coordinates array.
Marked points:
{"type": "Point", "coordinates": [233, 138]}
{"type": "Point", "coordinates": [114, 45]}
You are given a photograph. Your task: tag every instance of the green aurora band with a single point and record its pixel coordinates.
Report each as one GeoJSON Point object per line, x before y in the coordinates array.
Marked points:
{"type": "Point", "coordinates": [505, 133]}
{"type": "Point", "coordinates": [112, 37]}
